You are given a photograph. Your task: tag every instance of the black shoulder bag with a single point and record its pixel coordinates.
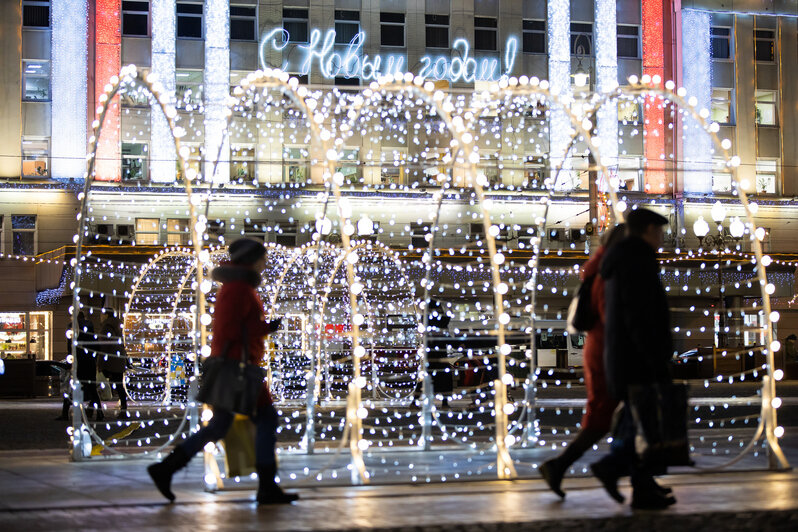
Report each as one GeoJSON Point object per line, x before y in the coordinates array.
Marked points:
{"type": "Point", "coordinates": [581, 316]}
{"type": "Point", "coordinates": [229, 384]}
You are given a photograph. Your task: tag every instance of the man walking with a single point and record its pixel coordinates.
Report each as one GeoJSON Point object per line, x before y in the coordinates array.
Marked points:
{"type": "Point", "coordinates": [638, 349]}
{"type": "Point", "coordinates": [113, 359]}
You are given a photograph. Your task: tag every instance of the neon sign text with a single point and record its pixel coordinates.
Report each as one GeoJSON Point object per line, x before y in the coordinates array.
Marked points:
{"type": "Point", "coordinates": [348, 60]}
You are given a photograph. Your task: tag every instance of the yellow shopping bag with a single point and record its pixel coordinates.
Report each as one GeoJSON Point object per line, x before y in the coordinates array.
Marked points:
{"type": "Point", "coordinates": [239, 447]}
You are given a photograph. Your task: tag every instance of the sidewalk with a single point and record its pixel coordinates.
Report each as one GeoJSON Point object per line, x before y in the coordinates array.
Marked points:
{"type": "Point", "coordinates": [42, 490]}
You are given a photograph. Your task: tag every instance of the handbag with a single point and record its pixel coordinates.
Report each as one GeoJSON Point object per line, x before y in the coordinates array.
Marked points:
{"type": "Point", "coordinates": [239, 447]}
{"type": "Point", "coordinates": [232, 385]}
{"type": "Point", "coordinates": [659, 412]}
{"type": "Point", "coordinates": [581, 316]}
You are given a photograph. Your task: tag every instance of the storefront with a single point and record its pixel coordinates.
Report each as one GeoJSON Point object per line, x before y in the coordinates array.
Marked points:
{"type": "Point", "coordinates": [26, 335]}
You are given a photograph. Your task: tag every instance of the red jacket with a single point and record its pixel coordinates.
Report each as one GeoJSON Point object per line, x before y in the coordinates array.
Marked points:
{"type": "Point", "coordinates": [239, 312]}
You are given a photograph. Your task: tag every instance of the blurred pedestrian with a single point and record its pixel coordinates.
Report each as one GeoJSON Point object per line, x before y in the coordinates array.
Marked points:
{"type": "Point", "coordinates": [238, 308]}
{"type": "Point", "coordinates": [637, 349]}
{"type": "Point", "coordinates": [113, 357]}
{"type": "Point", "coordinates": [87, 366]}
{"type": "Point", "coordinates": [66, 376]}
{"type": "Point", "coordinates": [790, 349]}
{"type": "Point", "coordinates": [600, 405]}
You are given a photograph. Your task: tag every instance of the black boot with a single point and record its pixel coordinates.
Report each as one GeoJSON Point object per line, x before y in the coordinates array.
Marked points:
{"type": "Point", "coordinates": [648, 495]}
{"type": "Point", "coordinates": [552, 472]}
{"type": "Point", "coordinates": [269, 492]}
{"type": "Point", "coordinates": [162, 472]}
{"type": "Point", "coordinates": [608, 476]}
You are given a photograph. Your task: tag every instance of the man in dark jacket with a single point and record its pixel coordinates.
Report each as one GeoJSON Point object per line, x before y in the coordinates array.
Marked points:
{"type": "Point", "coordinates": [87, 366]}
{"type": "Point", "coordinates": [637, 349]}
{"type": "Point", "coordinates": [113, 358]}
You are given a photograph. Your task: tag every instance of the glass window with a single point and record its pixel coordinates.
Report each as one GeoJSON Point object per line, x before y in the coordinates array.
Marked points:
{"type": "Point", "coordinates": [346, 82]}
{"type": "Point", "coordinates": [437, 27]}
{"type": "Point", "coordinates": [243, 23]}
{"type": "Point", "coordinates": [350, 165]}
{"type": "Point", "coordinates": [296, 168]}
{"type": "Point", "coordinates": [394, 163]}
{"type": "Point", "coordinates": [766, 174]}
{"type": "Point", "coordinates": [36, 13]}
{"type": "Point", "coordinates": [766, 112]}
{"type": "Point", "coordinates": [134, 161]}
{"type": "Point", "coordinates": [628, 112]}
{"type": "Point", "coordinates": [581, 38]}
{"type": "Point", "coordinates": [534, 36]}
{"type": "Point", "coordinates": [189, 19]}
{"type": "Point", "coordinates": [721, 183]}
{"type": "Point", "coordinates": [720, 47]}
{"type": "Point", "coordinates": [295, 22]}
{"type": "Point", "coordinates": [194, 159]}
{"type": "Point", "coordinates": [188, 88]}
{"type": "Point", "coordinates": [35, 157]}
{"type": "Point", "coordinates": [26, 334]}
{"type": "Point", "coordinates": [485, 34]}
{"type": "Point", "coordinates": [722, 106]}
{"type": "Point", "coordinates": [628, 41]}
{"type": "Point", "coordinates": [630, 173]}
{"type": "Point", "coordinates": [392, 29]}
{"type": "Point", "coordinates": [242, 167]}
{"type": "Point", "coordinates": [23, 234]}
{"type": "Point", "coordinates": [35, 81]}
{"type": "Point", "coordinates": [177, 231]}
{"type": "Point", "coordinates": [765, 46]}
{"type": "Point", "coordinates": [135, 18]}
{"type": "Point", "coordinates": [347, 25]}
{"type": "Point", "coordinates": [147, 231]}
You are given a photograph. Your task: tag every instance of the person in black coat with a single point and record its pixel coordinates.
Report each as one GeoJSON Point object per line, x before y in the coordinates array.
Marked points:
{"type": "Point", "coordinates": [87, 366]}
{"type": "Point", "coordinates": [637, 349]}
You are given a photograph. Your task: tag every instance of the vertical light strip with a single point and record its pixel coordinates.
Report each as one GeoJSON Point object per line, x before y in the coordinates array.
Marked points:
{"type": "Point", "coordinates": [68, 78]}
{"type": "Point", "coordinates": [107, 63]}
{"type": "Point", "coordinates": [559, 48]}
{"type": "Point", "coordinates": [162, 147]}
{"type": "Point", "coordinates": [697, 80]}
{"type": "Point", "coordinates": [607, 78]}
{"type": "Point", "coordinates": [217, 86]}
{"type": "Point", "coordinates": [655, 178]}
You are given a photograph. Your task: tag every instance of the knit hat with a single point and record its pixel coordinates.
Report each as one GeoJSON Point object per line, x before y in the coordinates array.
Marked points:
{"type": "Point", "coordinates": [246, 251]}
{"type": "Point", "coordinates": [639, 219]}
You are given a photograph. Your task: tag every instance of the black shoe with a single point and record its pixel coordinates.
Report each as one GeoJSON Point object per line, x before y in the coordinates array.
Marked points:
{"type": "Point", "coordinates": [552, 473]}
{"type": "Point", "coordinates": [608, 478]}
{"type": "Point", "coordinates": [162, 472]}
{"type": "Point", "coordinates": [269, 492]}
{"type": "Point", "coordinates": [651, 500]}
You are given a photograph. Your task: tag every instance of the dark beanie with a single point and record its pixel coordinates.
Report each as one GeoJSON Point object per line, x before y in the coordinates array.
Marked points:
{"type": "Point", "coordinates": [639, 219]}
{"type": "Point", "coordinates": [246, 251]}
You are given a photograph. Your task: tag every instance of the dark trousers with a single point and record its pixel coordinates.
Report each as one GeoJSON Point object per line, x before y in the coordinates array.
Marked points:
{"type": "Point", "coordinates": [90, 395]}
{"type": "Point", "coordinates": [115, 378]}
{"type": "Point", "coordinates": [216, 429]}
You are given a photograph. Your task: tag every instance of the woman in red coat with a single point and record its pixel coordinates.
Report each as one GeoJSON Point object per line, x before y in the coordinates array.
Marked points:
{"type": "Point", "coordinates": [600, 405]}
{"type": "Point", "coordinates": [238, 328]}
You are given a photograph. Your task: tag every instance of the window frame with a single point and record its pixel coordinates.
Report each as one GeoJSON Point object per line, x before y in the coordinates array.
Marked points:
{"type": "Point", "coordinates": [432, 23]}
{"type": "Point", "coordinates": [339, 20]}
{"type": "Point", "coordinates": [45, 75]}
{"type": "Point", "coordinates": [301, 165]}
{"type": "Point", "coordinates": [138, 232]}
{"type": "Point", "coordinates": [145, 158]}
{"type": "Point", "coordinates": [200, 16]}
{"type": "Point", "coordinates": [46, 157]}
{"type": "Point", "coordinates": [402, 24]}
{"type": "Point", "coordinates": [636, 37]}
{"type": "Point", "coordinates": [762, 38]}
{"type": "Point", "coordinates": [35, 232]}
{"type": "Point", "coordinates": [774, 104]}
{"type": "Point", "coordinates": [731, 120]}
{"type": "Point", "coordinates": [195, 98]}
{"type": "Point", "coordinates": [533, 31]}
{"type": "Point", "coordinates": [492, 29]}
{"type": "Point", "coordinates": [253, 19]}
{"type": "Point", "coordinates": [137, 12]}
{"type": "Point", "coordinates": [37, 3]}
{"type": "Point", "coordinates": [297, 19]}
{"type": "Point", "coordinates": [177, 227]}
{"type": "Point", "coordinates": [574, 35]}
{"type": "Point", "coordinates": [729, 38]}
{"type": "Point", "coordinates": [760, 171]}
{"type": "Point", "coordinates": [247, 161]}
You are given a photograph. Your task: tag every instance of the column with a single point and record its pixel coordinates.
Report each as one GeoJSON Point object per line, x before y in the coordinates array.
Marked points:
{"type": "Point", "coordinates": [655, 178]}
{"type": "Point", "coordinates": [162, 151]}
{"type": "Point", "coordinates": [10, 89]}
{"type": "Point", "coordinates": [107, 63]}
{"type": "Point", "coordinates": [217, 88]}
{"type": "Point", "coordinates": [607, 78]}
{"type": "Point", "coordinates": [696, 76]}
{"type": "Point", "coordinates": [69, 87]}
{"type": "Point", "coordinates": [559, 48]}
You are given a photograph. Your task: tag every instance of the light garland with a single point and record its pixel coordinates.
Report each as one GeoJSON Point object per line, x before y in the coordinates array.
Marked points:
{"type": "Point", "coordinates": [216, 89]}
{"type": "Point", "coordinates": [162, 154]}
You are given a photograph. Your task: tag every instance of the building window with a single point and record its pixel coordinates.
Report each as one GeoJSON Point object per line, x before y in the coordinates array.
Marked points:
{"type": "Point", "coordinates": [535, 36]}
{"type": "Point", "coordinates": [295, 22]}
{"type": "Point", "coordinates": [243, 23]}
{"type": "Point", "coordinates": [23, 234]}
{"type": "Point", "coordinates": [350, 165]}
{"type": "Point", "coordinates": [188, 88]}
{"type": "Point", "coordinates": [485, 34]}
{"type": "Point", "coordinates": [581, 38]}
{"type": "Point", "coordinates": [189, 20]}
{"type": "Point", "coordinates": [36, 81]}
{"type": "Point", "coordinates": [765, 46]}
{"type": "Point", "coordinates": [177, 231]}
{"type": "Point", "coordinates": [346, 82]}
{"type": "Point", "coordinates": [721, 183]}
{"type": "Point", "coordinates": [392, 29]}
{"type": "Point", "coordinates": [766, 172]}
{"type": "Point", "coordinates": [720, 47]}
{"type": "Point", "coordinates": [135, 19]}
{"type": "Point", "coordinates": [628, 112]}
{"type": "Point", "coordinates": [629, 42]}
{"type": "Point", "coordinates": [242, 167]}
{"type": "Point", "coordinates": [296, 168]}
{"type": "Point", "coordinates": [35, 157]}
{"type": "Point", "coordinates": [437, 27]}
{"type": "Point", "coordinates": [134, 161]}
{"type": "Point", "coordinates": [766, 112]}
{"type": "Point", "coordinates": [285, 234]}
{"type": "Point", "coordinates": [630, 173]}
{"type": "Point", "coordinates": [394, 166]}
{"type": "Point", "coordinates": [722, 106]}
{"type": "Point", "coordinates": [147, 230]}
{"type": "Point", "coordinates": [347, 25]}
{"type": "Point", "coordinates": [26, 334]}
{"type": "Point", "coordinates": [36, 13]}
{"type": "Point", "coordinates": [194, 160]}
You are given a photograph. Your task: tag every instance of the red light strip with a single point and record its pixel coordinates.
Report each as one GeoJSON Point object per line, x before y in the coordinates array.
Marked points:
{"type": "Point", "coordinates": [656, 179]}
{"type": "Point", "coordinates": [107, 63]}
